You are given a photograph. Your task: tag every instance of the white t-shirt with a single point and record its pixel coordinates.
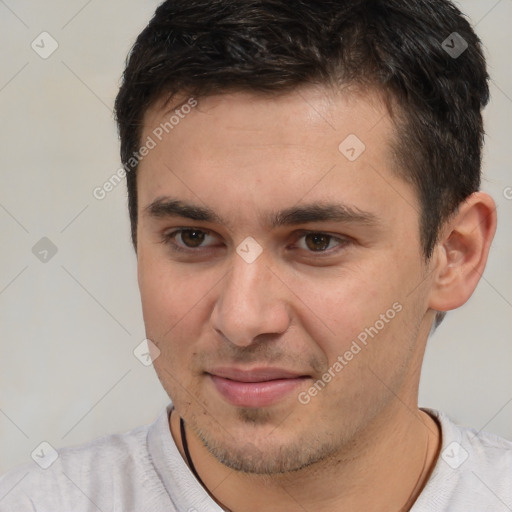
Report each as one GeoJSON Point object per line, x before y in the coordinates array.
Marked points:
{"type": "Point", "coordinates": [143, 471]}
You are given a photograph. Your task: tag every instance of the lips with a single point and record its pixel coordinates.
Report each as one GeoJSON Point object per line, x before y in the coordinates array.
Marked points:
{"type": "Point", "coordinates": [259, 387]}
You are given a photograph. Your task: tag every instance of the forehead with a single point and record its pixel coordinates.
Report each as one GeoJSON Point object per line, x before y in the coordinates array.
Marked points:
{"type": "Point", "coordinates": [245, 151]}
{"type": "Point", "coordinates": [300, 115]}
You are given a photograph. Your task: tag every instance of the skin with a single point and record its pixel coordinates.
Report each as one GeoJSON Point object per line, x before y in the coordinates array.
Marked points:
{"type": "Point", "coordinates": [361, 443]}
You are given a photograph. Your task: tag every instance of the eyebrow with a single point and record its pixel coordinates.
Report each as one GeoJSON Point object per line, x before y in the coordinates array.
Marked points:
{"type": "Point", "coordinates": [303, 214]}
{"type": "Point", "coordinates": [331, 212]}
{"type": "Point", "coordinates": [168, 207]}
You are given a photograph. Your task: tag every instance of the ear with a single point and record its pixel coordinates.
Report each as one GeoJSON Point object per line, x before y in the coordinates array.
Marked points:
{"type": "Point", "coordinates": [461, 252]}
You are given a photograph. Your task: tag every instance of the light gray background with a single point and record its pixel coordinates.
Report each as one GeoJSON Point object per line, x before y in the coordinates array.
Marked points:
{"type": "Point", "coordinates": [69, 326]}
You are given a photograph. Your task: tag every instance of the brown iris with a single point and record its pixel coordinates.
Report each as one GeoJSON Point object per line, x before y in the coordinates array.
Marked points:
{"type": "Point", "coordinates": [317, 241]}
{"type": "Point", "coordinates": [192, 237]}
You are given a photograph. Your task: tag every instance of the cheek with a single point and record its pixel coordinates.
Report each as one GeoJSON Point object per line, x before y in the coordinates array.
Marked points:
{"type": "Point", "coordinates": [364, 317]}
{"type": "Point", "coordinates": [175, 299]}
{"type": "Point", "coordinates": [336, 307]}
{"type": "Point", "coordinates": [174, 305]}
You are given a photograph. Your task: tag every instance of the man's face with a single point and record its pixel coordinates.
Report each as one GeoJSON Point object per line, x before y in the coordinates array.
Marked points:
{"type": "Point", "coordinates": [278, 359]}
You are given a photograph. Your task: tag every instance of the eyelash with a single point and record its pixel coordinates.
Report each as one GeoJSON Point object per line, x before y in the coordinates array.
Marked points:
{"type": "Point", "coordinates": [169, 240]}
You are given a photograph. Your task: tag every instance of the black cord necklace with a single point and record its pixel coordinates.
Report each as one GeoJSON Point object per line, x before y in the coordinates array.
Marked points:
{"type": "Point", "coordinates": [187, 452]}
{"type": "Point", "coordinates": [184, 443]}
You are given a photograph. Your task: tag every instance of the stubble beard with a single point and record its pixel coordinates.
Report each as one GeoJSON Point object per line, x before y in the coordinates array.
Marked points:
{"type": "Point", "coordinates": [275, 457]}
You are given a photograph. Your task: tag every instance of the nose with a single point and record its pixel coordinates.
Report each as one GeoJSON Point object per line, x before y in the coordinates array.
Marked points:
{"type": "Point", "coordinates": [251, 302]}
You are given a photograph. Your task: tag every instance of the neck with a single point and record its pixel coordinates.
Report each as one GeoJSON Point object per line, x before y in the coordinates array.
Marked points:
{"type": "Point", "coordinates": [385, 471]}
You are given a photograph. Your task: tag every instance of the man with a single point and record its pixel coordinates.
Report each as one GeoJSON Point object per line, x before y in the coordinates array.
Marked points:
{"type": "Point", "coordinates": [304, 195]}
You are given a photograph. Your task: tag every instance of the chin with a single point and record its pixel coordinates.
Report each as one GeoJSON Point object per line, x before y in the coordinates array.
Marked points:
{"type": "Point", "coordinates": [267, 454]}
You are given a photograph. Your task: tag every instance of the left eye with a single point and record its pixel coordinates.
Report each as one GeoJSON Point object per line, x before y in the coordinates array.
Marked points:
{"type": "Point", "coordinates": [318, 242]}
{"type": "Point", "coordinates": [191, 238]}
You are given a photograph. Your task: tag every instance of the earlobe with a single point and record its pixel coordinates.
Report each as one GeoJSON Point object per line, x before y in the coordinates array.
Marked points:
{"type": "Point", "coordinates": [462, 250]}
